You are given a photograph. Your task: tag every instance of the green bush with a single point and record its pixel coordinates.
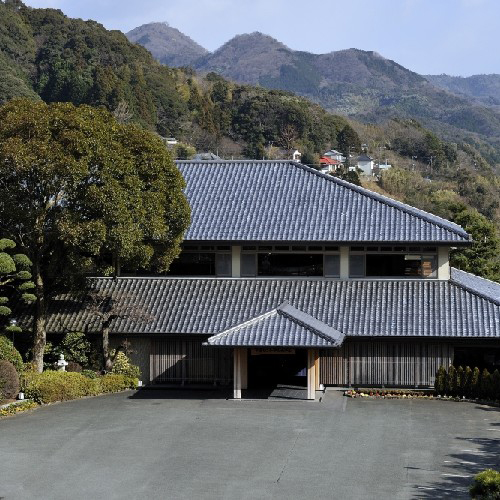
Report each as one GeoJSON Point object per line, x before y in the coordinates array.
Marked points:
{"type": "Point", "coordinates": [51, 386]}
{"type": "Point", "coordinates": [467, 382]}
{"type": "Point", "coordinates": [123, 366]}
{"type": "Point", "coordinates": [486, 485]}
{"type": "Point", "coordinates": [440, 382]}
{"type": "Point", "coordinates": [75, 347]}
{"type": "Point", "coordinates": [90, 374]}
{"type": "Point", "coordinates": [116, 383]}
{"type": "Point", "coordinates": [9, 353]}
{"type": "Point", "coordinates": [9, 380]}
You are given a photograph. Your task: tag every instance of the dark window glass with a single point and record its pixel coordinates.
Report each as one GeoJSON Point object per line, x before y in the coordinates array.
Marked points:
{"type": "Point", "coordinates": [372, 249]}
{"type": "Point", "coordinates": [249, 247]}
{"type": "Point", "coordinates": [193, 264]}
{"type": "Point", "coordinates": [280, 264]}
{"type": "Point", "coordinates": [430, 249]}
{"type": "Point", "coordinates": [400, 249]}
{"type": "Point", "coordinates": [331, 249]}
{"type": "Point", "coordinates": [223, 265]}
{"type": "Point", "coordinates": [286, 248]}
{"type": "Point", "coordinates": [248, 264]}
{"type": "Point", "coordinates": [356, 266]}
{"type": "Point", "coordinates": [399, 265]}
{"type": "Point", "coordinates": [315, 249]}
{"type": "Point", "coordinates": [265, 247]}
{"type": "Point", "coordinates": [224, 247]}
{"type": "Point", "coordinates": [386, 249]}
{"type": "Point", "coordinates": [357, 249]}
{"type": "Point", "coordinates": [332, 266]}
{"type": "Point", "coordinates": [298, 248]}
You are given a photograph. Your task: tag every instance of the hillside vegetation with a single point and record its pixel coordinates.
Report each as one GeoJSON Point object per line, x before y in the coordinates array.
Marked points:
{"type": "Point", "coordinates": [360, 84]}
{"type": "Point", "coordinates": [49, 56]}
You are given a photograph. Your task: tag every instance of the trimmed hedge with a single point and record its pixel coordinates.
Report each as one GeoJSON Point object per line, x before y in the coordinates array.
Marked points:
{"type": "Point", "coordinates": [9, 353]}
{"type": "Point", "coordinates": [52, 386]}
{"type": "Point", "coordinates": [486, 485]}
{"type": "Point", "coordinates": [465, 382]}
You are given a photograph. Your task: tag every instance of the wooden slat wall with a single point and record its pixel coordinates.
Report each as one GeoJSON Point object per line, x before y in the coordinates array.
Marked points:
{"type": "Point", "coordinates": [379, 363]}
{"type": "Point", "coordinates": [181, 361]}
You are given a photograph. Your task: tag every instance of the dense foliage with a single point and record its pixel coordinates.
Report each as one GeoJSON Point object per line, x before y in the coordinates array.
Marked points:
{"type": "Point", "coordinates": [85, 194]}
{"type": "Point", "coordinates": [486, 485]}
{"type": "Point", "coordinates": [467, 382]}
{"type": "Point", "coordinates": [15, 281]}
{"type": "Point", "coordinates": [9, 353]}
{"type": "Point", "coordinates": [9, 380]}
{"type": "Point", "coordinates": [52, 386]}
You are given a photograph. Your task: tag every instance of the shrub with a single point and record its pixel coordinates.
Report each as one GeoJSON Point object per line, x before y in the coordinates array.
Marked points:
{"type": "Point", "coordinates": [451, 381]}
{"type": "Point", "coordinates": [475, 382]}
{"type": "Point", "coordinates": [460, 380]}
{"type": "Point", "coordinates": [9, 380]}
{"type": "Point", "coordinates": [486, 485]}
{"type": "Point", "coordinates": [51, 386]}
{"type": "Point", "coordinates": [440, 382]}
{"type": "Point", "coordinates": [89, 374]}
{"type": "Point", "coordinates": [75, 347]}
{"type": "Point", "coordinates": [467, 381]}
{"type": "Point", "coordinates": [9, 353]}
{"type": "Point", "coordinates": [123, 366]}
{"type": "Point", "coordinates": [116, 383]}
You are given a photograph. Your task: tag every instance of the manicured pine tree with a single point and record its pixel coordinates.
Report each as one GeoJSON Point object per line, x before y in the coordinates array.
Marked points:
{"type": "Point", "coordinates": [440, 382]}
{"type": "Point", "coordinates": [451, 381]}
{"type": "Point", "coordinates": [459, 381]}
{"type": "Point", "coordinates": [475, 383]}
{"type": "Point", "coordinates": [467, 381]}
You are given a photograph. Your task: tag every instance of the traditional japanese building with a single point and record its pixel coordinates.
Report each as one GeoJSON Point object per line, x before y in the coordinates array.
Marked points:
{"type": "Point", "coordinates": [288, 274]}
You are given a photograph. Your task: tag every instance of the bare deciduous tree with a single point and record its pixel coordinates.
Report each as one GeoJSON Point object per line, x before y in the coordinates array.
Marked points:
{"type": "Point", "coordinates": [108, 306]}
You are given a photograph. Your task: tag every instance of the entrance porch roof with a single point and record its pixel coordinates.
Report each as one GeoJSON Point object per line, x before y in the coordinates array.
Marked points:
{"type": "Point", "coordinates": [284, 326]}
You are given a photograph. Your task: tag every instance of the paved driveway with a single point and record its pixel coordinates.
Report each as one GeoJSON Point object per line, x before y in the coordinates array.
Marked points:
{"type": "Point", "coordinates": [158, 445]}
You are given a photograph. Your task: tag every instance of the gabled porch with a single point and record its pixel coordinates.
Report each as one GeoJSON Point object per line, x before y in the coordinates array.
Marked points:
{"type": "Point", "coordinates": [289, 338]}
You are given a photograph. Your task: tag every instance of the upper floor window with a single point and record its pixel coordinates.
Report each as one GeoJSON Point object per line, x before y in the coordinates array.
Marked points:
{"type": "Point", "coordinates": [399, 263]}
{"type": "Point", "coordinates": [207, 262]}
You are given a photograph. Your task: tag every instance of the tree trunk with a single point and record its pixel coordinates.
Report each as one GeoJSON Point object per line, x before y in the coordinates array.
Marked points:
{"type": "Point", "coordinates": [40, 336]}
{"type": "Point", "coordinates": [107, 363]}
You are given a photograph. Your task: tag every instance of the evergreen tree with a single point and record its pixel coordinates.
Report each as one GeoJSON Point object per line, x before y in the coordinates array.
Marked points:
{"type": "Point", "coordinates": [85, 194]}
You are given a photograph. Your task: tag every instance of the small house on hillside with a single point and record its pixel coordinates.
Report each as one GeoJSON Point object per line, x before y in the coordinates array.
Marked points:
{"type": "Point", "coordinates": [364, 165]}
{"type": "Point", "coordinates": [333, 154]}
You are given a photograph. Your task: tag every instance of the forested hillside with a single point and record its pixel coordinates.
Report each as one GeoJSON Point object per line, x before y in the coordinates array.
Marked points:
{"type": "Point", "coordinates": [46, 55]}
{"type": "Point", "coordinates": [360, 84]}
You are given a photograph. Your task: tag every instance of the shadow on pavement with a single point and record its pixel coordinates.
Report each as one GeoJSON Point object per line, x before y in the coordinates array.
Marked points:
{"type": "Point", "coordinates": [476, 454]}
{"type": "Point", "coordinates": [181, 393]}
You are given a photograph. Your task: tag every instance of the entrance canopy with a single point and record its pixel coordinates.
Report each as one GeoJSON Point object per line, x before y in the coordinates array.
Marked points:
{"type": "Point", "coordinates": [284, 326]}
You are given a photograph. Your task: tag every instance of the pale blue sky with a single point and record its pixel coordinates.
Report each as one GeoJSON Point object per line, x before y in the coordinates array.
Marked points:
{"type": "Point", "coordinates": [458, 37]}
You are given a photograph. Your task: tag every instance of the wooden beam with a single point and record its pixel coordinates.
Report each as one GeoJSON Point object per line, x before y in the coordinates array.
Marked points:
{"type": "Point", "coordinates": [316, 368]}
{"type": "Point", "coordinates": [311, 375]}
{"type": "Point", "coordinates": [237, 373]}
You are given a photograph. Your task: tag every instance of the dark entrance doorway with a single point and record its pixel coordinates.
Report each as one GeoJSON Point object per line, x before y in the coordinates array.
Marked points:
{"type": "Point", "coordinates": [269, 367]}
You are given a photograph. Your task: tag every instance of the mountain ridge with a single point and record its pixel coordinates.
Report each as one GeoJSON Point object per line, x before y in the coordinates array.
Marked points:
{"type": "Point", "coordinates": [360, 84]}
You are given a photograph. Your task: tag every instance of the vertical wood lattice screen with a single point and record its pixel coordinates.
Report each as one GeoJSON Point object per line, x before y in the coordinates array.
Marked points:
{"type": "Point", "coordinates": [384, 363]}
{"type": "Point", "coordinates": [181, 361]}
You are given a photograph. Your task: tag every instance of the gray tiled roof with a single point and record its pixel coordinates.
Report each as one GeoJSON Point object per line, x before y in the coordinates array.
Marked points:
{"type": "Point", "coordinates": [284, 326]}
{"type": "Point", "coordinates": [287, 201]}
{"type": "Point", "coordinates": [481, 286]}
{"type": "Point", "coordinates": [393, 308]}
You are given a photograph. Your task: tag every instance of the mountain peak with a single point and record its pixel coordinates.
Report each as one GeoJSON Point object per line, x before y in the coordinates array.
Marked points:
{"type": "Point", "coordinates": [167, 44]}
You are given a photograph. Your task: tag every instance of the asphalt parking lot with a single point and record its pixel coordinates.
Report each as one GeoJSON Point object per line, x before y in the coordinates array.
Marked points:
{"type": "Point", "coordinates": [192, 445]}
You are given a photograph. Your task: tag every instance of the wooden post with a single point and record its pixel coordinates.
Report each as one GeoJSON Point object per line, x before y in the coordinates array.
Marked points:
{"type": "Point", "coordinates": [311, 375]}
{"type": "Point", "coordinates": [237, 373]}
{"type": "Point", "coordinates": [244, 368]}
{"type": "Point", "coordinates": [316, 368]}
